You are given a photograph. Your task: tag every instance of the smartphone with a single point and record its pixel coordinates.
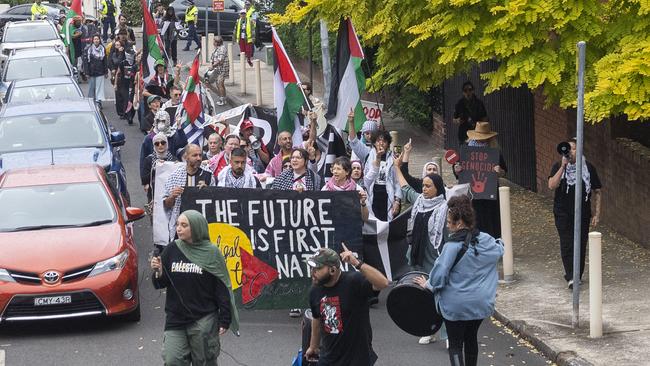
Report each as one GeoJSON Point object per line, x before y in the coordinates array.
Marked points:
{"type": "Point", "coordinates": [397, 149]}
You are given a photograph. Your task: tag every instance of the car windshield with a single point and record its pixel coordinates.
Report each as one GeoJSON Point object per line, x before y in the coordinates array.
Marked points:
{"type": "Point", "coordinates": [50, 131]}
{"type": "Point", "coordinates": [77, 204]}
{"type": "Point", "coordinates": [43, 32]}
{"type": "Point", "coordinates": [38, 67]}
{"type": "Point", "coordinates": [44, 92]}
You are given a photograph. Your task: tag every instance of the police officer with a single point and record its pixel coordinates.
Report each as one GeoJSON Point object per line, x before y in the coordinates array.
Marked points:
{"type": "Point", "coordinates": [191, 16]}
{"type": "Point", "coordinates": [107, 14]}
{"type": "Point", "coordinates": [38, 11]}
{"type": "Point", "coordinates": [245, 32]}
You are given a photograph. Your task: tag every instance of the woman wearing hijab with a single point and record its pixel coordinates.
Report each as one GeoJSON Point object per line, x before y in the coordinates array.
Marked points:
{"type": "Point", "coordinates": [341, 181]}
{"type": "Point", "coordinates": [427, 225]}
{"type": "Point", "coordinates": [488, 217]}
{"type": "Point", "coordinates": [96, 68]}
{"type": "Point", "coordinates": [299, 178]}
{"type": "Point", "coordinates": [199, 303]}
{"type": "Point", "coordinates": [464, 281]}
{"type": "Point", "coordinates": [357, 172]}
{"type": "Point", "coordinates": [161, 153]}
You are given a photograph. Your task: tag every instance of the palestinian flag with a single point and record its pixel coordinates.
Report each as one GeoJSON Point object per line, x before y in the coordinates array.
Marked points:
{"type": "Point", "coordinates": [190, 112]}
{"type": "Point", "coordinates": [153, 49]}
{"type": "Point", "coordinates": [348, 79]}
{"type": "Point", "coordinates": [287, 95]}
{"type": "Point", "coordinates": [68, 30]}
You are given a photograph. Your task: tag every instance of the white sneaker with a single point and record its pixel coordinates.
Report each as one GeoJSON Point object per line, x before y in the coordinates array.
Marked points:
{"type": "Point", "coordinates": [427, 339]}
{"type": "Point", "coordinates": [447, 343]}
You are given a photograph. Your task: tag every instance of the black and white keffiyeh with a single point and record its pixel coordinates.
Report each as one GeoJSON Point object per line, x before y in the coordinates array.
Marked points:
{"type": "Point", "coordinates": [438, 218]}
{"type": "Point", "coordinates": [286, 179]}
{"type": "Point", "coordinates": [227, 179]}
{"type": "Point", "coordinates": [570, 175]}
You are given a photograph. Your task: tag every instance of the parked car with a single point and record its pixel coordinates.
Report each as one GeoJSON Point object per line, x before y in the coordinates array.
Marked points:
{"type": "Point", "coordinates": [66, 245]}
{"type": "Point", "coordinates": [227, 19]}
{"type": "Point", "coordinates": [35, 90]}
{"type": "Point", "coordinates": [60, 132]}
{"type": "Point", "coordinates": [28, 34]}
{"type": "Point", "coordinates": [24, 12]}
{"type": "Point", "coordinates": [33, 63]}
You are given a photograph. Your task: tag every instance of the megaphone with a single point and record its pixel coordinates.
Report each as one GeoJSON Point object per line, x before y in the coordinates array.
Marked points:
{"type": "Point", "coordinates": [564, 149]}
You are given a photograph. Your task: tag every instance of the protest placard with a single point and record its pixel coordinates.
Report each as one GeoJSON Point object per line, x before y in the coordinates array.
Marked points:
{"type": "Point", "coordinates": [478, 170]}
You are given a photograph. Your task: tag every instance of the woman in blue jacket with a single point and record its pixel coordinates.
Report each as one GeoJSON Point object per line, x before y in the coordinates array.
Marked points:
{"type": "Point", "coordinates": [464, 281]}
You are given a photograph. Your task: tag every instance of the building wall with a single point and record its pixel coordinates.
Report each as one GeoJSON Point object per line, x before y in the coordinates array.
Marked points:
{"type": "Point", "coordinates": [623, 166]}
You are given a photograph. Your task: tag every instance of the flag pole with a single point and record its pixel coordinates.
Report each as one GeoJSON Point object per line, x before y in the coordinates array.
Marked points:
{"type": "Point", "coordinates": [305, 96]}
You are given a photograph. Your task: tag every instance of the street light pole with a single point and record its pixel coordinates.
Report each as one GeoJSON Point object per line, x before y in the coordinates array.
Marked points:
{"type": "Point", "coordinates": [577, 216]}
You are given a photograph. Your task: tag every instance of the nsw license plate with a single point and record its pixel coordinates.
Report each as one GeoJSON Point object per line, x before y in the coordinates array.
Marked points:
{"type": "Point", "coordinates": [52, 300]}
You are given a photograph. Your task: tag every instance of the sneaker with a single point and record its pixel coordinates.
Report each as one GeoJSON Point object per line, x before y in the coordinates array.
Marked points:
{"type": "Point", "coordinates": [295, 313]}
{"type": "Point", "coordinates": [185, 49]}
{"type": "Point", "coordinates": [223, 100]}
{"type": "Point", "coordinates": [427, 339]}
{"type": "Point", "coordinates": [570, 284]}
{"type": "Point", "coordinates": [447, 343]}
{"type": "Point", "coordinates": [197, 48]}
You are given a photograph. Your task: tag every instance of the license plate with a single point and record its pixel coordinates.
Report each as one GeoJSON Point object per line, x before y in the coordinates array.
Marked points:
{"type": "Point", "coordinates": [52, 300]}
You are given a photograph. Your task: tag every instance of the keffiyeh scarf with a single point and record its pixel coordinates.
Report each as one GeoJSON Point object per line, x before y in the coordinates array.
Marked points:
{"type": "Point", "coordinates": [570, 175]}
{"type": "Point", "coordinates": [438, 218]}
{"type": "Point", "coordinates": [227, 179]}
{"type": "Point", "coordinates": [284, 181]}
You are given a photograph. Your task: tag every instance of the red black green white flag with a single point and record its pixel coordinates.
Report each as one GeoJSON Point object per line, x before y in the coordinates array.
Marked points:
{"type": "Point", "coordinates": [190, 112]}
{"type": "Point", "coordinates": [288, 97]}
{"type": "Point", "coordinates": [152, 46]}
{"type": "Point", "coordinates": [348, 79]}
{"type": "Point", "coordinates": [68, 30]}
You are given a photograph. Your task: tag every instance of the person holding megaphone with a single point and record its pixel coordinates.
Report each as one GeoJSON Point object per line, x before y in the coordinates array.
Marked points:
{"type": "Point", "coordinates": [563, 179]}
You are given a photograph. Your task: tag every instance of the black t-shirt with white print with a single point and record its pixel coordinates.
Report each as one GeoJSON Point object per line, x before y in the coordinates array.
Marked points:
{"type": "Point", "coordinates": [192, 292]}
{"type": "Point", "coordinates": [344, 316]}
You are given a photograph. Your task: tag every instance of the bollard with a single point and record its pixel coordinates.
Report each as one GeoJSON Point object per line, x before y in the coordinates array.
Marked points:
{"type": "Point", "coordinates": [242, 66]}
{"type": "Point", "coordinates": [394, 136]}
{"type": "Point", "coordinates": [203, 50]}
{"type": "Point", "coordinates": [595, 285]}
{"type": "Point", "coordinates": [210, 46]}
{"type": "Point", "coordinates": [258, 82]}
{"type": "Point", "coordinates": [231, 63]}
{"type": "Point", "coordinates": [506, 234]}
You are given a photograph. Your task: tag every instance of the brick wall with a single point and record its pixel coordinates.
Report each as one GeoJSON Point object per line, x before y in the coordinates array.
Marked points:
{"type": "Point", "coordinates": [550, 129]}
{"type": "Point", "coordinates": [439, 131]}
{"type": "Point", "coordinates": [622, 164]}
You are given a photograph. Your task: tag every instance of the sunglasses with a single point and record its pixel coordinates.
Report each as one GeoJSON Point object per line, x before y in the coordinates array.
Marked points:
{"type": "Point", "coordinates": [159, 143]}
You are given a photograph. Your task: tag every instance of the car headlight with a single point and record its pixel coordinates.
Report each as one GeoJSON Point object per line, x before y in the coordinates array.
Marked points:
{"type": "Point", "coordinates": [110, 264]}
{"type": "Point", "coordinates": [5, 276]}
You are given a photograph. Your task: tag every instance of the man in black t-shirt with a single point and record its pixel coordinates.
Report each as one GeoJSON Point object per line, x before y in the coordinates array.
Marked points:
{"type": "Point", "coordinates": [563, 179]}
{"type": "Point", "coordinates": [339, 305]}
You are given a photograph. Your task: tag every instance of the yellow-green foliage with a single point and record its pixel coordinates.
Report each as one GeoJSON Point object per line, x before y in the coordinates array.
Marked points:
{"type": "Point", "coordinates": [423, 42]}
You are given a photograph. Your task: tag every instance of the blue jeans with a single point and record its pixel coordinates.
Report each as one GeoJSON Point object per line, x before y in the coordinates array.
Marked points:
{"type": "Point", "coordinates": [192, 36]}
{"type": "Point", "coordinates": [109, 21]}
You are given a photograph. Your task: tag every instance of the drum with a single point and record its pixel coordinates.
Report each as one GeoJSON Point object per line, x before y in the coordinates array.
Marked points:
{"type": "Point", "coordinates": [306, 335]}
{"type": "Point", "coordinates": [412, 307]}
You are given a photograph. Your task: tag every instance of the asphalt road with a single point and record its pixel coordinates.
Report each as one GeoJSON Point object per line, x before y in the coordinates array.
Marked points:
{"type": "Point", "coordinates": [267, 337]}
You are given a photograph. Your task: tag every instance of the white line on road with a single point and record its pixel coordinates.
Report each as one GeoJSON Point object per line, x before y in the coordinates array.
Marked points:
{"type": "Point", "coordinates": [2, 357]}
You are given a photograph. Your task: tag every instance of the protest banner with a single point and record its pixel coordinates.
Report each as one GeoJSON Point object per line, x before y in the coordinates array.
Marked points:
{"type": "Point", "coordinates": [478, 170]}
{"type": "Point", "coordinates": [372, 110]}
{"type": "Point", "coordinates": [267, 235]}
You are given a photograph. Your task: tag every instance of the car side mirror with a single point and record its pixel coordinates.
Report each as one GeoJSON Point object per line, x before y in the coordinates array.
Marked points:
{"type": "Point", "coordinates": [134, 214]}
{"type": "Point", "coordinates": [117, 138]}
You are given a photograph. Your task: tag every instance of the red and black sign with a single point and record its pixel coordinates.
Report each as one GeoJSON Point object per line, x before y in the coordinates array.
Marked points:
{"type": "Point", "coordinates": [477, 165]}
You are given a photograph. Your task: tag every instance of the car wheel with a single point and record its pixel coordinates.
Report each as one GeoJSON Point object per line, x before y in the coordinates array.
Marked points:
{"type": "Point", "coordinates": [133, 316]}
{"type": "Point", "coordinates": [183, 33]}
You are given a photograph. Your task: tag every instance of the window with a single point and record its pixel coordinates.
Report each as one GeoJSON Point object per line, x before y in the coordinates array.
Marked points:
{"type": "Point", "coordinates": [18, 10]}
{"type": "Point", "coordinates": [79, 204]}
{"type": "Point", "coordinates": [35, 68]}
{"type": "Point", "coordinates": [33, 33]}
{"type": "Point", "coordinates": [44, 92]}
{"type": "Point", "coordinates": [50, 131]}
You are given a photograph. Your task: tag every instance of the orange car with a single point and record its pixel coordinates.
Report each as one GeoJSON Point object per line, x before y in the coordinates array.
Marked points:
{"type": "Point", "coordinates": [66, 245]}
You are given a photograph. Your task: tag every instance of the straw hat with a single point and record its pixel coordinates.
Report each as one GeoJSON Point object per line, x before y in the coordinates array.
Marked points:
{"type": "Point", "coordinates": [481, 132]}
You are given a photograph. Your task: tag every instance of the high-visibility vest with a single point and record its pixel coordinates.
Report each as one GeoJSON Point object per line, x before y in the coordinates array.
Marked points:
{"type": "Point", "coordinates": [249, 12]}
{"type": "Point", "coordinates": [249, 30]}
{"type": "Point", "coordinates": [191, 14]}
{"type": "Point", "coordinates": [38, 10]}
{"type": "Point", "coordinates": [104, 11]}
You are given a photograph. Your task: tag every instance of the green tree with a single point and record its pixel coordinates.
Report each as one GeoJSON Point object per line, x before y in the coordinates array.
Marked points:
{"type": "Point", "coordinates": [423, 43]}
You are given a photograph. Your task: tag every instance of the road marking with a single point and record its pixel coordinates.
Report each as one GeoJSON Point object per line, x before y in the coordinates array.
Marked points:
{"type": "Point", "coordinates": [2, 357]}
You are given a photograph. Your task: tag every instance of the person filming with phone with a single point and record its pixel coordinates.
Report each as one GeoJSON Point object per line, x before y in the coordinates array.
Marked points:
{"type": "Point", "coordinates": [340, 308]}
{"type": "Point", "coordinates": [199, 303]}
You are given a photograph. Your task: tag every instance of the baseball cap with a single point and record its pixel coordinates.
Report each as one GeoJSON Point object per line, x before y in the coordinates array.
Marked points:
{"type": "Point", "coordinates": [151, 98]}
{"type": "Point", "coordinates": [246, 124]}
{"type": "Point", "coordinates": [324, 257]}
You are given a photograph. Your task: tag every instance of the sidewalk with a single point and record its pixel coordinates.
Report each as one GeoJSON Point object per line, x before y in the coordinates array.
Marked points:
{"type": "Point", "coordinates": [538, 304]}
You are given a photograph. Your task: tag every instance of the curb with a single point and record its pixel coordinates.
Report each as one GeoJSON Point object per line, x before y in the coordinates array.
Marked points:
{"type": "Point", "coordinates": [528, 332]}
